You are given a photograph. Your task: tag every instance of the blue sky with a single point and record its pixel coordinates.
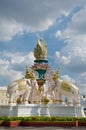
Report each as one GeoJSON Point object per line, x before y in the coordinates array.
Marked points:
{"type": "Point", "coordinates": [61, 23]}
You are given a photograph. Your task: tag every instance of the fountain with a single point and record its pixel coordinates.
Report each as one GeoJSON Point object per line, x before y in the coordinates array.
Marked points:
{"type": "Point", "coordinates": [42, 103]}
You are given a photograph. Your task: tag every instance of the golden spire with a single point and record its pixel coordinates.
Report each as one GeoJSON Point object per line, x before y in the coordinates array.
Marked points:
{"type": "Point", "coordinates": [29, 74]}
{"type": "Point", "coordinates": [56, 75]}
{"type": "Point", "coordinates": [40, 52]}
{"type": "Point", "coordinates": [32, 75]}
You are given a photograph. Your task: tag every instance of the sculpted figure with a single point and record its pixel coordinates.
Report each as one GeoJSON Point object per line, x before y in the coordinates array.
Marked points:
{"type": "Point", "coordinates": [22, 87]}
{"type": "Point", "coordinates": [36, 95]}
{"type": "Point", "coordinates": [59, 88]}
{"type": "Point", "coordinates": [40, 52]}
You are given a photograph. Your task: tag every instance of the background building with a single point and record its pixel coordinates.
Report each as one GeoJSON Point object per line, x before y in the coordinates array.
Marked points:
{"type": "Point", "coordinates": [3, 97]}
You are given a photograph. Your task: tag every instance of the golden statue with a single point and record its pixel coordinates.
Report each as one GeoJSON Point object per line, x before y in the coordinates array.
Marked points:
{"type": "Point", "coordinates": [40, 52]}
{"type": "Point", "coordinates": [29, 74]}
{"type": "Point", "coordinates": [56, 75]}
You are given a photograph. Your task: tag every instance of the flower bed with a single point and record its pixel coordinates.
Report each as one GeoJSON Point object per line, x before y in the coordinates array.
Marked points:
{"type": "Point", "coordinates": [11, 123]}
{"type": "Point", "coordinates": [1, 121]}
{"type": "Point", "coordinates": [82, 121]}
{"type": "Point", "coordinates": [43, 121]}
{"type": "Point", "coordinates": [51, 121]}
{"type": "Point", "coordinates": [47, 123]}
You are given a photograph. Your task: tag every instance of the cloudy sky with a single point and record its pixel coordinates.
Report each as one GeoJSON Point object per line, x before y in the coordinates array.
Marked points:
{"type": "Point", "coordinates": [61, 23]}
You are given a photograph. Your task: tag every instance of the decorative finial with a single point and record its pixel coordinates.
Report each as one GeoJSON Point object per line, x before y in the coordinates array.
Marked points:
{"type": "Point", "coordinates": [32, 75]}
{"type": "Point", "coordinates": [29, 73]}
{"type": "Point", "coordinates": [40, 52]}
{"type": "Point", "coordinates": [56, 75]}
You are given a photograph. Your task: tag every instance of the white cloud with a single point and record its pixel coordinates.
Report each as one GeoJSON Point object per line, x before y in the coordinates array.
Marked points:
{"type": "Point", "coordinates": [81, 82]}
{"type": "Point", "coordinates": [13, 65]}
{"type": "Point", "coordinates": [74, 50]}
{"type": "Point", "coordinates": [58, 34]}
{"type": "Point", "coordinates": [73, 57]}
{"type": "Point", "coordinates": [20, 58]}
{"type": "Point", "coordinates": [67, 78]}
{"type": "Point", "coordinates": [18, 16]}
{"type": "Point", "coordinates": [8, 29]}
{"type": "Point", "coordinates": [76, 28]}
{"type": "Point", "coordinates": [61, 59]}
{"type": "Point", "coordinates": [73, 54]}
{"type": "Point", "coordinates": [7, 74]}
{"type": "Point", "coordinates": [22, 62]}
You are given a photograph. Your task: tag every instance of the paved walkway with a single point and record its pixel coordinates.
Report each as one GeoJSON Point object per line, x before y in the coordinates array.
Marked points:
{"type": "Point", "coordinates": [42, 128]}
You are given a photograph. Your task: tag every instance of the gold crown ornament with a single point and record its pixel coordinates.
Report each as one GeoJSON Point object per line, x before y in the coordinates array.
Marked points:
{"type": "Point", "coordinates": [29, 74]}
{"type": "Point", "coordinates": [40, 52]}
{"type": "Point", "coordinates": [56, 75]}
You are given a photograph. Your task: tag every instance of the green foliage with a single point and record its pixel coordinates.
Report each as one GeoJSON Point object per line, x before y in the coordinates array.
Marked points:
{"type": "Point", "coordinates": [2, 118]}
{"type": "Point", "coordinates": [54, 118]}
{"type": "Point", "coordinates": [10, 118]}
{"type": "Point", "coordinates": [45, 118]}
{"type": "Point", "coordinates": [42, 118]}
{"type": "Point", "coordinates": [63, 118]}
{"type": "Point", "coordinates": [82, 119]}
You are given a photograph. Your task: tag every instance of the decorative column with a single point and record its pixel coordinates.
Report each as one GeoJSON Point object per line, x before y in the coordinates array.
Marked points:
{"type": "Point", "coordinates": [41, 62]}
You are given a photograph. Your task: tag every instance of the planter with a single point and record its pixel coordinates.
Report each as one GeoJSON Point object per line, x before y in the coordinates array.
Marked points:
{"type": "Point", "coordinates": [11, 123]}
{"type": "Point", "coordinates": [82, 123]}
{"type": "Point", "coordinates": [48, 123]}
{"type": "Point", "coordinates": [66, 124]}
{"type": "Point", "coordinates": [1, 122]}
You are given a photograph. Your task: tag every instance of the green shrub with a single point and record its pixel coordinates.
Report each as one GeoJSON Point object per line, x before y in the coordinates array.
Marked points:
{"type": "Point", "coordinates": [10, 118]}
{"type": "Point", "coordinates": [42, 118]}
{"type": "Point", "coordinates": [82, 119]}
{"type": "Point", "coordinates": [2, 118]}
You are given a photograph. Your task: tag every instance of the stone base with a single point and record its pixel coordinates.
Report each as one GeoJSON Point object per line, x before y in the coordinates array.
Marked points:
{"type": "Point", "coordinates": [41, 110]}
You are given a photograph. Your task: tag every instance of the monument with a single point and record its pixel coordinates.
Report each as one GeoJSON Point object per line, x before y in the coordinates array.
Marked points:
{"type": "Point", "coordinates": [40, 92]}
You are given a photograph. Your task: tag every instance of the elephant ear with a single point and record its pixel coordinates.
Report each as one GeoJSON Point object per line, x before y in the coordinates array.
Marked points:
{"type": "Point", "coordinates": [66, 86]}
{"type": "Point", "coordinates": [21, 84]}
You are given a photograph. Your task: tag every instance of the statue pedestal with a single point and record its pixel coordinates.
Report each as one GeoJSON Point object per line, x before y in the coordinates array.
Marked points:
{"type": "Point", "coordinates": [41, 110]}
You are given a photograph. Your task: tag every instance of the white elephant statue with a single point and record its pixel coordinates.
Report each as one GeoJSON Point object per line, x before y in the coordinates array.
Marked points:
{"type": "Point", "coordinates": [67, 89]}
{"type": "Point", "coordinates": [21, 87]}
{"type": "Point", "coordinates": [59, 88]}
